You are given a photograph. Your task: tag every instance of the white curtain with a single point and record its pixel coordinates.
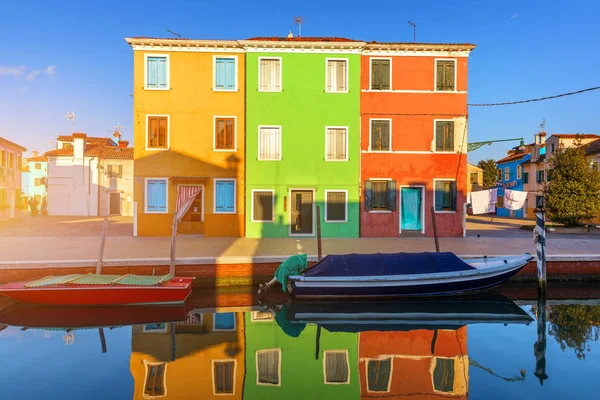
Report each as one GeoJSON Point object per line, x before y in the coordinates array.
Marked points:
{"type": "Point", "coordinates": [270, 143]}
{"type": "Point", "coordinates": [185, 198]}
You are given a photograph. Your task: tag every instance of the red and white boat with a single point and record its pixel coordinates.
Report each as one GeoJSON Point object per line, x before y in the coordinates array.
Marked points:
{"type": "Point", "coordinates": [101, 290]}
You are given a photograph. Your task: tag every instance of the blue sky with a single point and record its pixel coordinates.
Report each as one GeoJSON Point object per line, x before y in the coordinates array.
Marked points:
{"type": "Point", "coordinates": [525, 50]}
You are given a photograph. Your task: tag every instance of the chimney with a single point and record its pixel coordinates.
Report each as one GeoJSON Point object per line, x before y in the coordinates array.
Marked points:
{"type": "Point", "coordinates": [34, 153]}
{"type": "Point", "coordinates": [290, 35]}
{"type": "Point", "coordinates": [123, 143]}
{"type": "Point", "coordinates": [78, 145]}
{"type": "Point", "coordinates": [542, 135]}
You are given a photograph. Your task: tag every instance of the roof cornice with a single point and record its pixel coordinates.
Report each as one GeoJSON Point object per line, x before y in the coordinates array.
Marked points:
{"type": "Point", "coordinates": [301, 46]}
{"type": "Point", "coordinates": [184, 45]}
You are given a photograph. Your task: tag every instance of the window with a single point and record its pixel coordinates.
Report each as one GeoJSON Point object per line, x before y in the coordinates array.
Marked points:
{"type": "Point", "coordinates": [269, 75]}
{"type": "Point", "coordinates": [445, 71]}
{"type": "Point", "coordinates": [37, 165]}
{"type": "Point", "coordinates": [445, 195]}
{"type": "Point", "coordinates": [519, 171]}
{"type": "Point", "coordinates": [156, 196]}
{"type": "Point", "coordinates": [336, 144]}
{"type": "Point", "coordinates": [224, 133]}
{"type": "Point", "coordinates": [268, 367]}
{"type": "Point", "coordinates": [269, 143]}
{"type": "Point", "coordinates": [337, 370]}
{"type": "Point", "coordinates": [506, 174]}
{"type": "Point", "coordinates": [157, 72]}
{"type": "Point", "coordinates": [499, 175]}
{"type": "Point", "coordinates": [474, 178]}
{"type": "Point", "coordinates": [262, 316]}
{"type": "Point", "coordinates": [500, 201]}
{"type": "Point", "coordinates": [380, 195]}
{"type": "Point", "coordinates": [378, 375]}
{"type": "Point", "coordinates": [3, 158]}
{"type": "Point", "coordinates": [158, 132]}
{"type": "Point", "coordinates": [595, 165]}
{"type": "Point", "coordinates": [225, 74]}
{"type": "Point", "coordinates": [336, 206]}
{"type": "Point", "coordinates": [67, 145]}
{"type": "Point", "coordinates": [11, 160]}
{"type": "Point", "coordinates": [444, 135]}
{"type": "Point", "coordinates": [223, 373]}
{"type": "Point", "coordinates": [525, 177]}
{"type": "Point", "coordinates": [224, 321]}
{"type": "Point", "coordinates": [114, 171]}
{"type": "Point", "coordinates": [552, 148]}
{"type": "Point", "coordinates": [381, 73]}
{"type": "Point", "coordinates": [443, 375]}
{"type": "Point", "coordinates": [539, 201]}
{"type": "Point", "coordinates": [337, 76]}
{"type": "Point", "coordinates": [263, 203]}
{"type": "Point", "coordinates": [225, 196]}
{"type": "Point", "coordinates": [38, 181]}
{"type": "Point", "coordinates": [540, 176]}
{"type": "Point", "coordinates": [155, 384]}
{"type": "Point", "coordinates": [380, 135]}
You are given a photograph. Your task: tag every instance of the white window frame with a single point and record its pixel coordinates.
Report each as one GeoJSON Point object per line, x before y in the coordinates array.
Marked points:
{"type": "Point", "coordinates": [399, 205]}
{"type": "Point", "coordinates": [325, 353]}
{"type": "Point", "coordinates": [278, 349]}
{"type": "Point", "coordinates": [455, 75]}
{"type": "Point", "coordinates": [254, 319]}
{"type": "Point", "coordinates": [212, 373]}
{"type": "Point", "coordinates": [346, 207]}
{"type": "Point", "coordinates": [370, 131]}
{"type": "Point", "coordinates": [506, 173]}
{"type": "Point", "coordinates": [146, 365]}
{"type": "Point", "coordinates": [146, 195]}
{"type": "Point", "coordinates": [519, 172]}
{"type": "Point", "coordinates": [164, 55]}
{"type": "Point", "coordinates": [168, 132]}
{"type": "Point", "coordinates": [435, 121]}
{"type": "Point", "coordinates": [314, 212]}
{"type": "Point", "coordinates": [234, 132]}
{"type": "Point", "coordinates": [215, 180]}
{"type": "Point", "coordinates": [252, 205]}
{"type": "Point", "coordinates": [391, 89]}
{"type": "Point", "coordinates": [347, 140]}
{"type": "Point", "coordinates": [280, 74]}
{"type": "Point", "coordinates": [347, 75]}
{"type": "Point", "coordinates": [367, 361]}
{"type": "Point", "coordinates": [214, 74]}
{"type": "Point", "coordinates": [161, 330]}
{"type": "Point", "coordinates": [455, 185]}
{"type": "Point", "coordinates": [381, 211]}
{"type": "Point", "coordinates": [224, 330]}
{"type": "Point", "coordinates": [280, 143]}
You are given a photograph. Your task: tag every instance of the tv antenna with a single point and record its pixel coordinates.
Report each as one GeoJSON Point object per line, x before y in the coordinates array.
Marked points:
{"type": "Point", "coordinates": [70, 116]}
{"type": "Point", "coordinates": [414, 30]}
{"type": "Point", "coordinates": [117, 131]}
{"type": "Point", "coordinates": [298, 21]}
{"type": "Point", "coordinates": [543, 125]}
{"type": "Point", "coordinates": [174, 33]}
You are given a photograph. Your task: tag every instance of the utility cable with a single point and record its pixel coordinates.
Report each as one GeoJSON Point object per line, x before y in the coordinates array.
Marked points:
{"type": "Point", "coordinates": [533, 100]}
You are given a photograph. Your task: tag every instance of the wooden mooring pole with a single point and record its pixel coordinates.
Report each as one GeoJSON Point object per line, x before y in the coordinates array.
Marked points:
{"type": "Point", "coordinates": [540, 243]}
{"type": "Point", "coordinates": [539, 347]}
{"type": "Point", "coordinates": [102, 339]}
{"type": "Point", "coordinates": [173, 238]}
{"type": "Point", "coordinates": [319, 248]}
{"type": "Point", "coordinates": [102, 242]}
{"type": "Point", "coordinates": [435, 232]}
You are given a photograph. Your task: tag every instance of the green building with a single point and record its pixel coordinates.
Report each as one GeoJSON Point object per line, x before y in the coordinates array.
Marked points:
{"type": "Point", "coordinates": [279, 366]}
{"type": "Point", "coordinates": [302, 136]}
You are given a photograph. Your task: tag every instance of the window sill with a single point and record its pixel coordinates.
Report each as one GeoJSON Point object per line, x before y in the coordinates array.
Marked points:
{"type": "Point", "coordinates": [336, 222]}
{"type": "Point", "coordinates": [225, 150]}
{"type": "Point", "coordinates": [157, 148]}
{"type": "Point", "coordinates": [270, 91]}
{"type": "Point", "coordinates": [302, 234]}
{"type": "Point", "coordinates": [445, 91]}
{"type": "Point", "coordinates": [327, 160]}
{"type": "Point", "coordinates": [445, 212]}
{"type": "Point", "coordinates": [380, 211]}
{"type": "Point", "coordinates": [379, 151]}
{"type": "Point", "coordinates": [224, 212]}
{"type": "Point", "coordinates": [225, 90]}
{"type": "Point", "coordinates": [269, 159]}
{"type": "Point", "coordinates": [335, 92]}
{"type": "Point", "coordinates": [444, 152]}
{"type": "Point", "coordinates": [156, 89]}
{"type": "Point", "coordinates": [155, 212]}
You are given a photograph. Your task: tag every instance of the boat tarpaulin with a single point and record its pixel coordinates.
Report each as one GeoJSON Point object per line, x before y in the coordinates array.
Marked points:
{"type": "Point", "coordinates": [294, 265]}
{"type": "Point", "coordinates": [387, 264]}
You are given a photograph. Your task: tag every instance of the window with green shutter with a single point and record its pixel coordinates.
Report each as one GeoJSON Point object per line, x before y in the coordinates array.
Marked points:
{"type": "Point", "coordinates": [380, 74]}
{"type": "Point", "coordinates": [380, 195]}
{"type": "Point", "coordinates": [335, 206]}
{"type": "Point", "coordinates": [445, 195]}
{"type": "Point", "coordinates": [380, 135]}
{"type": "Point", "coordinates": [525, 177]}
{"type": "Point", "coordinates": [445, 70]}
{"type": "Point", "coordinates": [444, 136]}
{"type": "Point", "coordinates": [262, 204]}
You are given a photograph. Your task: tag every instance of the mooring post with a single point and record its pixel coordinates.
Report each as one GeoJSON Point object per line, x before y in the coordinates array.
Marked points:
{"type": "Point", "coordinates": [540, 242]}
{"type": "Point", "coordinates": [435, 232]}
{"type": "Point", "coordinates": [102, 339]}
{"type": "Point", "coordinates": [173, 238]}
{"type": "Point", "coordinates": [102, 241]}
{"type": "Point", "coordinates": [539, 348]}
{"type": "Point", "coordinates": [319, 248]}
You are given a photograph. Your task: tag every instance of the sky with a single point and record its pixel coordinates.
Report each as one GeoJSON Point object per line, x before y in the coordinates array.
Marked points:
{"type": "Point", "coordinates": [60, 56]}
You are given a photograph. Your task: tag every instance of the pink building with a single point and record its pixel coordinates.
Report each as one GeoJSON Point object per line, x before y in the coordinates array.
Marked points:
{"type": "Point", "coordinates": [11, 155]}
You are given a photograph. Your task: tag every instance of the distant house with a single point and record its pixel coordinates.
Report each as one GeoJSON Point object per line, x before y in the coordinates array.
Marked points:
{"type": "Point", "coordinates": [474, 178]}
{"type": "Point", "coordinates": [90, 176]}
{"type": "Point", "coordinates": [11, 155]}
{"type": "Point", "coordinates": [510, 176]}
{"type": "Point", "coordinates": [593, 151]}
{"type": "Point", "coordinates": [35, 176]}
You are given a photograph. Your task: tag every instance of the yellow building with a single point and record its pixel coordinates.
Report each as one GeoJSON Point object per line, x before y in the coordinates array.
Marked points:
{"type": "Point", "coordinates": [475, 178]}
{"type": "Point", "coordinates": [202, 358]}
{"type": "Point", "coordinates": [189, 106]}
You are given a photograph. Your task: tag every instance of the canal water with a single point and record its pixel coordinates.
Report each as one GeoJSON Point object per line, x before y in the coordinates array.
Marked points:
{"type": "Point", "coordinates": [486, 349]}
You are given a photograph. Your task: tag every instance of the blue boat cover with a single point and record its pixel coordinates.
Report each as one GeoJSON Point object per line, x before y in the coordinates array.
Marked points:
{"type": "Point", "coordinates": [387, 264]}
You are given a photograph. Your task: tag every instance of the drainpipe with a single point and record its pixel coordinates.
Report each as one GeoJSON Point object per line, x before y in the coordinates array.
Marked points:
{"type": "Point", "coordinates": [98, 186]}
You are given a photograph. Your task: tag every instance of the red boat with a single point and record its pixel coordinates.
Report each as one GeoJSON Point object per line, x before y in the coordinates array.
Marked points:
{"type": "Point", "coordinates": [101, 290]}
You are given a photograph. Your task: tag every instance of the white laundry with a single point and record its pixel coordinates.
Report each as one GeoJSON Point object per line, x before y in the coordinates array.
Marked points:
{"type": "Point", "coordinates": [494, 195]}
{"type": "Point", "coordinates": [469, 198]}
{"type": "Point", "coordinates": [484, 201]}
{"type": "Point", "coordinates": [514, 199]}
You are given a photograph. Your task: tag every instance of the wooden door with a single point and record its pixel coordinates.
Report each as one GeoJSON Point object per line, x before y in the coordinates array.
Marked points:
{"type": "Point", "coordinates": [301, 212]}
{"type": "Point", "coordinates": [191, 223]}
{"type": "Point", "coordinates": [114, 204]}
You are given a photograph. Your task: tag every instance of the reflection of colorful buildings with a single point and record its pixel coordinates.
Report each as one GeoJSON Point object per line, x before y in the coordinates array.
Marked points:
{"type": "Point", "coordinates": [202, 358]}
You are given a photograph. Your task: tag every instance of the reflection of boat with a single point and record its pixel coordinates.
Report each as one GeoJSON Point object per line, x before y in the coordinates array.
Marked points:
{"type": "Point", "coordinates": [402, 274]}
{"type": "Point", "coordinates": [409, 314]}
{"type": "Point", "coordinates": [100, 290]}
{"type": "Point", "coordinates": [32, 316]}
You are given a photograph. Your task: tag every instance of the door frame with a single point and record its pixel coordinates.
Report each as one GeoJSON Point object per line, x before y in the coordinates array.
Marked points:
{"type": "Point", "coordinates": [422, 187]}
{"type": "Point", "coordinates": [120, 202]}
{"type": "Point", "coordinates": [201, 193]}
{"type": "Point", "coordinates": [314, 211]}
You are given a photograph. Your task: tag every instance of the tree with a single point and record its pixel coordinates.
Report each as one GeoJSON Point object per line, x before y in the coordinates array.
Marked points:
{"type": "Point", "coordinates": [575, 327]}
{"type": "Point", "coordinates": [573, 195]}
{"type": "Point", "coordinates": [490, 174]}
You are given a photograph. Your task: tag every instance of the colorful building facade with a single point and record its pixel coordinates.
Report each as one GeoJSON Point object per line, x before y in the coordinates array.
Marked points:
{"type": "Point", "coordinates": [474, 178]}
{"type": "Point", "coordinates": [303, 132]}
{"type": "Point", "coordinates": [189, 136]}
{"type": "Point", "coordinates": [11, 155]}
{"type": "Point", "coordinates": [37, 177]}
{"type": "Point", "coordinates": [413, 138]}
{"type": "Point", "coordinates": [510, 175]}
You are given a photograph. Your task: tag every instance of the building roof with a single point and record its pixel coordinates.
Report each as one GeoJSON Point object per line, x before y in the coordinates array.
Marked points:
{"type": "Point", "coordinates": [303, 39]}
{"type": "Point", "coordinates": [88, 139]}
{"type": "Point", "coordinates": [38, 159]}
{"type": "Point", "coordinates": [593, 147]}
{"type": "Point", "coordinates": [576, 135]}
{"type": "Point", "coordinates": [96, 150]}
{"type": "Point", "coordinates": [475, 166]}
{"type": "Point", "coordinates": [512, 157]}
{"type": "Point", "coordinates": [13, 144]}
{"type": "Point", "coordinates": [410, 46]}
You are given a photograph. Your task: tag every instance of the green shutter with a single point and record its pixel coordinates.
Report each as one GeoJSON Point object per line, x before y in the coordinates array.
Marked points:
{"type": "Point", "coordinates": [440, 76]}
{"type": "Point", "coordinates": [391, 195]}
{"type": "Point", "coordinates": [368, 196]}
{"type": "Point", "coordinates": [525, 177]}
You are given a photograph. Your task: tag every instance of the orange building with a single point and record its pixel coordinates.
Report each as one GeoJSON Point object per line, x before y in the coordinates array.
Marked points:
{"type": "Point", "coordinates": [414, 138]}
{"type": "Point", "coordinates": [420, 364]}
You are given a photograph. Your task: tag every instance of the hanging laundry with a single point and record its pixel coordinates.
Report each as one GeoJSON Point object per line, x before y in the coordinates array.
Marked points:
{"type": "Point", "coordinates": [514, 199]}
{"type": "Point", "coordinates": [469, 198]}
{"type": "Point", "coordinates": [484, 201]}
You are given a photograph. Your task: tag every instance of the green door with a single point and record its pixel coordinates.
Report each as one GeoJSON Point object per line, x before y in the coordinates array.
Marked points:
{"type": "Point", "coordinates": [411, 215]}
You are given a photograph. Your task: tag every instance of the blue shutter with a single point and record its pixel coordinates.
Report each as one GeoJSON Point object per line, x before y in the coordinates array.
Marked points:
{"type": "Point", "coordinates": [225, 199]}
{"type": "Point", "coordinates": [152, 72]}
{"type": "Point", "coordinates": [220, 73]}
{"type": "Point", "coordinates": [225, 320]}
{"type": "Point", "coordinates": [225, 74]}
{"type": "Point", "coordinates": [162, 73]}
{"type": "Point", "coordinates": [368, 196]}
{"type": "Point", "coordinates": [157, 196]}
{"type": "Point", "coordinates": [230, 74]}
{"type": "Point", "coordinates": [439, 196]}
{"type": "Point", "coordinates": [162, 196]}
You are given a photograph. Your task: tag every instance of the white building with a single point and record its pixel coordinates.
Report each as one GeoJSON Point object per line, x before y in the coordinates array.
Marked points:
{"type": "Point", "coordinates": [90, 176]}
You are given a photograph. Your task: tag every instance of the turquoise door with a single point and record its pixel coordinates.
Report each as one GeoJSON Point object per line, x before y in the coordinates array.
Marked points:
{"type": "Point", "coordinates": [411, 217]}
